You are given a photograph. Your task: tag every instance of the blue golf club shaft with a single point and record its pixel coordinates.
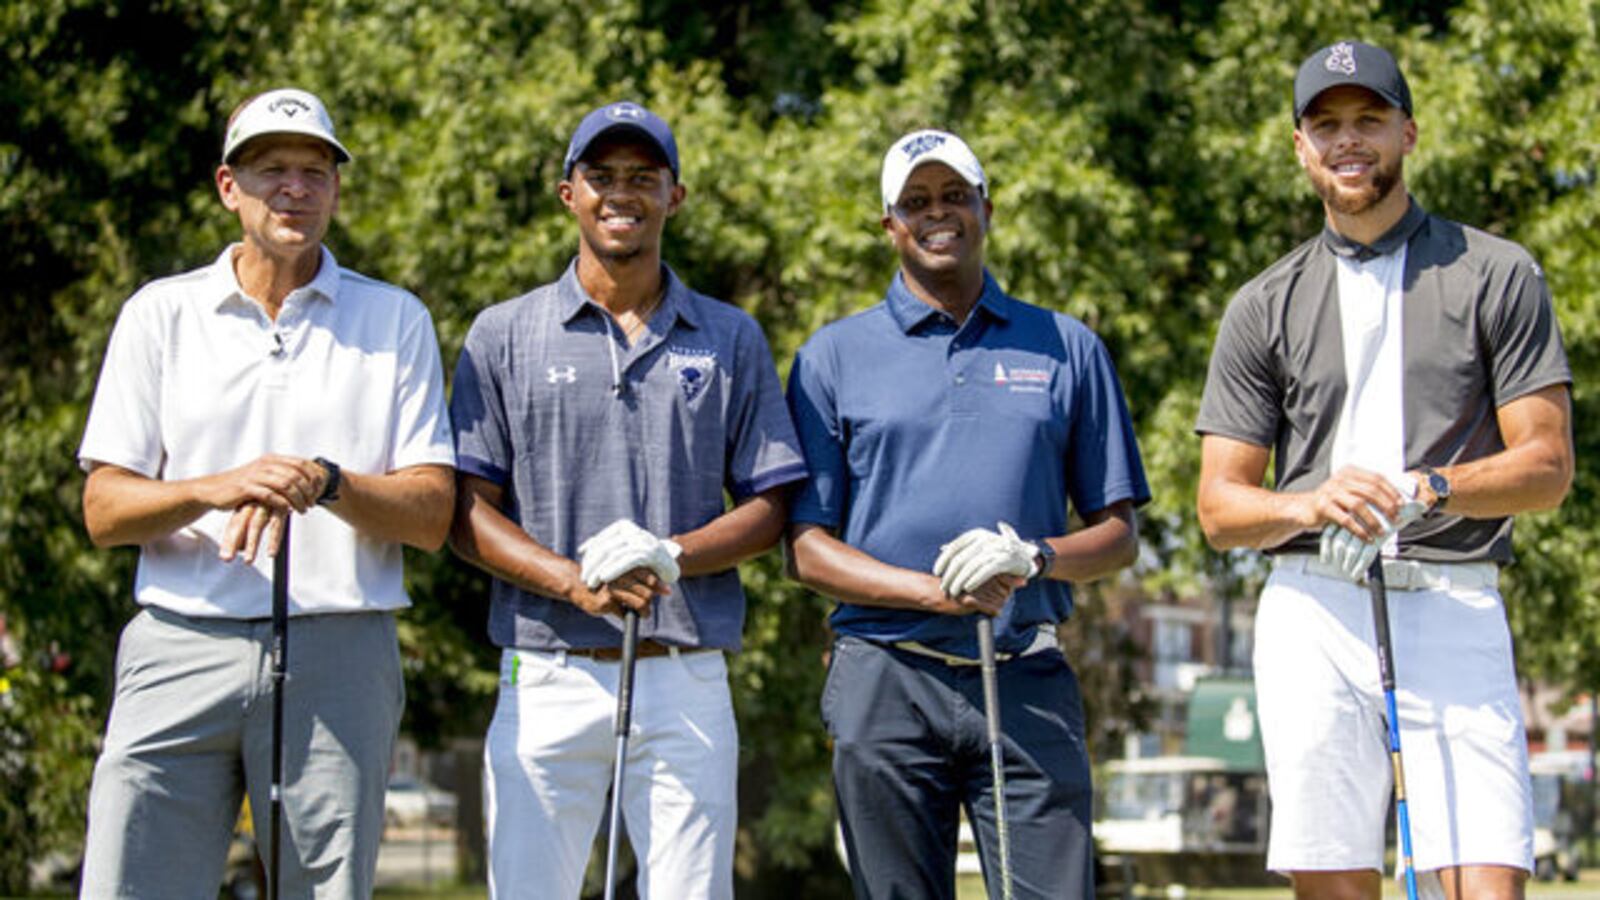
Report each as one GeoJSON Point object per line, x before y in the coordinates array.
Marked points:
{"type": "Point", "coordinates": [1380, 621]}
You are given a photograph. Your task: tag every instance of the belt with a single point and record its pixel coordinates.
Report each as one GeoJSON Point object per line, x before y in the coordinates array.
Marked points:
{"type": "Point", "coordinates": [646, 649]}
{"type": "Point", "coordinates": [1404, 574]}
{"type": "Point", "coordinates": [1044, 638]}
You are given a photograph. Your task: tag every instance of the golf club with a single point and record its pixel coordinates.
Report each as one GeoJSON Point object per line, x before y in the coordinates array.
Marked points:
{"type": "Point", "coordinates": [280, 663]}
{"type": "Point", "coordinates": [991, 714]}
{"type": "Point", "coordinates": [1380, 621]}
{"type": "Point", "coordinates": [630, 646]}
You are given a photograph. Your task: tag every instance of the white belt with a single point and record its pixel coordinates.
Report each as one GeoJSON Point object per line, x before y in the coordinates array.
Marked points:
{"type": "Point", "coordinates": [1044, 638]}
{"type": "Point", "coordinates": [1404, 574]}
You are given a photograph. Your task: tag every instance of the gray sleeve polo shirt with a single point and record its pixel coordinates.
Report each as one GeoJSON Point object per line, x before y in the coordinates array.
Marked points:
{"type": "Point", "coordinates": [1479, 330]}
{"type": "Point", "coordinates": [582, 429]}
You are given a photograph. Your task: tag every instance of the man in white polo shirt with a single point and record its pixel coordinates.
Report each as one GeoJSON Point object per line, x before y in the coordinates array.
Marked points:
{"type": "Point", "coordinates": [269, 383]}
{"type": "Point", "coordinates": [1407, 375]}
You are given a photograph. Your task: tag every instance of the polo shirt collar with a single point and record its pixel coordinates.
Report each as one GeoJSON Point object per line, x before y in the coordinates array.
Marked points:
{"type": "Point", "coordinates": [1391, 241]}
{"type": "Point", "coordinates": [223, 283]}
{"type": "Point", "coordinates": [574, 300]}
{"type": "Point", "coordinates": [909, 311]}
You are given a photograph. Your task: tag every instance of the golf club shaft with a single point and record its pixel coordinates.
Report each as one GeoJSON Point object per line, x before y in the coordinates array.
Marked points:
{"type": "Point", "coordinates": [630, 647]}
{"type": "Point", "coordinates": [280, 669]}
{"type": "Point", "coordinates": [1380, 621]}
{"type": "Point", "coordinates": [991, 715]}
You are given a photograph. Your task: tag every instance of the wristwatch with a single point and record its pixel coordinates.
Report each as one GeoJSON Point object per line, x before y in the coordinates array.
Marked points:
{"type": "Point", "coordinates": [1437, 483]}
{"type": "Point", "coordinates": [1047, 558]}
{"type": "Point", "coordinates": [330, 488]}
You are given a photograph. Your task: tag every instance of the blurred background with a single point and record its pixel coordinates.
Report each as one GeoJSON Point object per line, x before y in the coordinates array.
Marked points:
{"type": "Point", "coordinates": [1142, 171]}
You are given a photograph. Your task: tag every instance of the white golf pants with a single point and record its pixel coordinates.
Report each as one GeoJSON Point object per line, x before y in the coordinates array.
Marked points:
{"type": "Point", "coordinates": [548, 763]}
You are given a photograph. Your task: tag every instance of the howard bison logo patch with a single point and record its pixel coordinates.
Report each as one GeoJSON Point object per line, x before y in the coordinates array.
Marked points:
{"type": "Point", "coordinates": [695, 369]}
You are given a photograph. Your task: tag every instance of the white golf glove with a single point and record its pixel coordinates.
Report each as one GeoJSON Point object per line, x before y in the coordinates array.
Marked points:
{"type": "Point", "coordinates": [979, 555]}
{"type": "Point", "coordinates": [1351, 555]}
{"type": "Point", "coordinates": [621, 547]}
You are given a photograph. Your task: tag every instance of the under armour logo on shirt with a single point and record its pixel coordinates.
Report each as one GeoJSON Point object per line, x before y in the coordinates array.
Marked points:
{"type": "Point", "coordinates": [561, 374]}
{"type": "Point", "coordinates": [1341, 58]}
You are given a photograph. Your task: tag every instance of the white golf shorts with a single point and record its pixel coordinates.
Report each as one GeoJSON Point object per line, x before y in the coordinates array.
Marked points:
{"type": "Point", "coordinates": [1322, 712]}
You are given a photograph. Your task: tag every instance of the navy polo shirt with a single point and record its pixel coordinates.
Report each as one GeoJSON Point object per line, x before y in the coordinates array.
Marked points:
{"type": "Point", "coordinates": [916, 430]}
{"type": "Point", "coordinates": [581, 430]}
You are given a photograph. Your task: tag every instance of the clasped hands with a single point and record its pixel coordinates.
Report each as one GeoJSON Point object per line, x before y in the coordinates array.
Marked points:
{"type": "Point", "coordinates": [1351, 554]}
{"type": "Point", "coordinates": [967, 565]}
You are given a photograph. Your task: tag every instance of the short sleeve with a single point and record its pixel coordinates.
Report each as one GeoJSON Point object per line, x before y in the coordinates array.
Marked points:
{"type": "Point", "coordinates": [1242, 397]}
{"type": "Point", "coordinates": [422, 422]}
{"type": "Point", "coordinates": [1526, 351]}
{"type": "Point", "coordinates": [814, 405]}
{"type": "Point", "coordinates": [124, 426]}
{"type": "Point", "coordinates": [763, 451]}
{"type": "Point", "coordinates": [477, 406]}
{"type": "Point", "coordinates": [1104, 467]}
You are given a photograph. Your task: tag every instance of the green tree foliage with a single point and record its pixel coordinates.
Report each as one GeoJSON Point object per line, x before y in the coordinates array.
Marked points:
{"type": "Point", "coordinates": [1142, 171]}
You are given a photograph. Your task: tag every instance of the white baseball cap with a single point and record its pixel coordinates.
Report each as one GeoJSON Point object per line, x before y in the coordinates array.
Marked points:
{"type": "Point", "coordinates": [282, 111]}
{"type": "Point", "coordinates": [926, 146]}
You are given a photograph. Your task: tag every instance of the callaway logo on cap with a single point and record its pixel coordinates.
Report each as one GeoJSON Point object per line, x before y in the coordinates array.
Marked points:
{"type": "Point", "coordinates": [282, 111]}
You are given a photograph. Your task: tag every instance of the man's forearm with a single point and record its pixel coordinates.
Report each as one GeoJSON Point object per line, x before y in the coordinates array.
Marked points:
{"type": "Point", "coordinates": [409, 506]}
{"type": "Point", "coordinates": [1236, 515]}
{"type": "Point", "coordinates": [749, 529]}
{"type": "Point", "coordinates": [122, 508]}
{"type": "Point", "coordinates": [483, 536]}
{"type": "Point", "coordinates": [1108, 543]}
{"type": "Point", "coordinates": [829, 566]}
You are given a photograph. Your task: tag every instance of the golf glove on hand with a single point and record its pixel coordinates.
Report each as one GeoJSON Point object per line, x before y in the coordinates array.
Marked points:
{"type": "Point", "coordinates": [1351, 555]}
{"type": "Point", "coordinates": [621, 547]}
{"type": "Point", "coordinates": [979, 555]}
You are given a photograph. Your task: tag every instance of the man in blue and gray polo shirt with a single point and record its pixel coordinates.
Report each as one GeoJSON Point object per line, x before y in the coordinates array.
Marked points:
{"type": "Point", "coordinates": [954, 416]}
{"type": "Point", "coordinates": [1406, 376]}
{"type": "Point", "coordinates": [599, 420]}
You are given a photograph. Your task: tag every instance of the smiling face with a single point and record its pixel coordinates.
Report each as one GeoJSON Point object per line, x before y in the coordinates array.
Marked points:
{"type": "Point", "coordinates": [938, 225]}
{"type": "Point", "coordinates": [285, 190]}
{"type": "Point", "coordinates": [622, 194]}
{"type": "Point", "coordinates": [1352, 145]}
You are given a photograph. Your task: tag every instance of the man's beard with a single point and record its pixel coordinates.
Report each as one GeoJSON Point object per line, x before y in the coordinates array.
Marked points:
{"type": "Point", "coordinates": [1354, 202]}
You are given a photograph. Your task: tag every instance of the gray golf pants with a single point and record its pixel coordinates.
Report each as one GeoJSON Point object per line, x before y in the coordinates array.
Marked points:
{"type": "Point", "coordinates": [191, 731]}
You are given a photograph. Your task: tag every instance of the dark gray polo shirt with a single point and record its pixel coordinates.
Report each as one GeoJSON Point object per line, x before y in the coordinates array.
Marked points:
{"type": "Point", "coordinates": [700, 412]}
{"type": "Point", "coordinates": [1478, 331]}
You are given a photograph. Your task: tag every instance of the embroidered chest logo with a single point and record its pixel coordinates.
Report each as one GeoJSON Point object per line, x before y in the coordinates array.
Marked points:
{"type": "Point", "coordinates": [694, 367]}
{"type": "Point", "coordinates": [561, 374]}
{"type": "Point", "coordinates": [1021, 380]}
{"type": "Point", "coordinates": [1342, 58]}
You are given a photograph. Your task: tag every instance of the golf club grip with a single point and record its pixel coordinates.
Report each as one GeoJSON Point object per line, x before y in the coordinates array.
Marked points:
{"type": "Point", "coordinates": [991, 689]}
{"type": "Point", "coordinates": [630, 649]}
{"type": "Point", "coordinates": [1380, 623]}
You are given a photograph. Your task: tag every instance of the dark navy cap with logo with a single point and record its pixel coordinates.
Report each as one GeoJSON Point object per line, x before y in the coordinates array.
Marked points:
{"type": "Point", "coordinates": [1353, 63]}
{"type": "Point", "coordinates": [622, 116]}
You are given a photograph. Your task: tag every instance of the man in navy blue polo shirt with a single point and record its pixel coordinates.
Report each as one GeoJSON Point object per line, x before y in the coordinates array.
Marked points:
{"type": "Point", "coordinates": [599, 420]}
{"type": "Point", "coordinates": [946, 430]}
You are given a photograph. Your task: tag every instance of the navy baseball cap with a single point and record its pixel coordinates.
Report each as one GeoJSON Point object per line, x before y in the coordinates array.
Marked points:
{"type": "Point", "coordinates": [622, 116]}
{"type": "Point", "coordinates": [1353, 63]}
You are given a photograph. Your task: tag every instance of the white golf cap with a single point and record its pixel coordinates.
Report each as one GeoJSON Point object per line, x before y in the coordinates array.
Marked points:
{"type": "Point", "coordinates": [928, 146]}
{"type": "Point", "coordinates": [282, 111]}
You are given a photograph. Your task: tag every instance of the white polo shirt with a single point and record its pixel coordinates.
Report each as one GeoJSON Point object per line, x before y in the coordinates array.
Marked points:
{"type": "Point", "coordinates": [198, 380]}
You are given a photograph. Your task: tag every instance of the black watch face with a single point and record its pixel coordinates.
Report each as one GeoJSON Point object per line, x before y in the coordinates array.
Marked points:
{"type": "Point", "coordinates": [1439, 485]}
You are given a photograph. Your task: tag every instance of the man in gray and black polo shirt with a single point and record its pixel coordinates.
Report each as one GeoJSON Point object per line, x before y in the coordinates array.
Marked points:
{"type": "Point", "coordinates": [600, 420]}
{"type": "Point", "coordinates": [1407, 375]}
